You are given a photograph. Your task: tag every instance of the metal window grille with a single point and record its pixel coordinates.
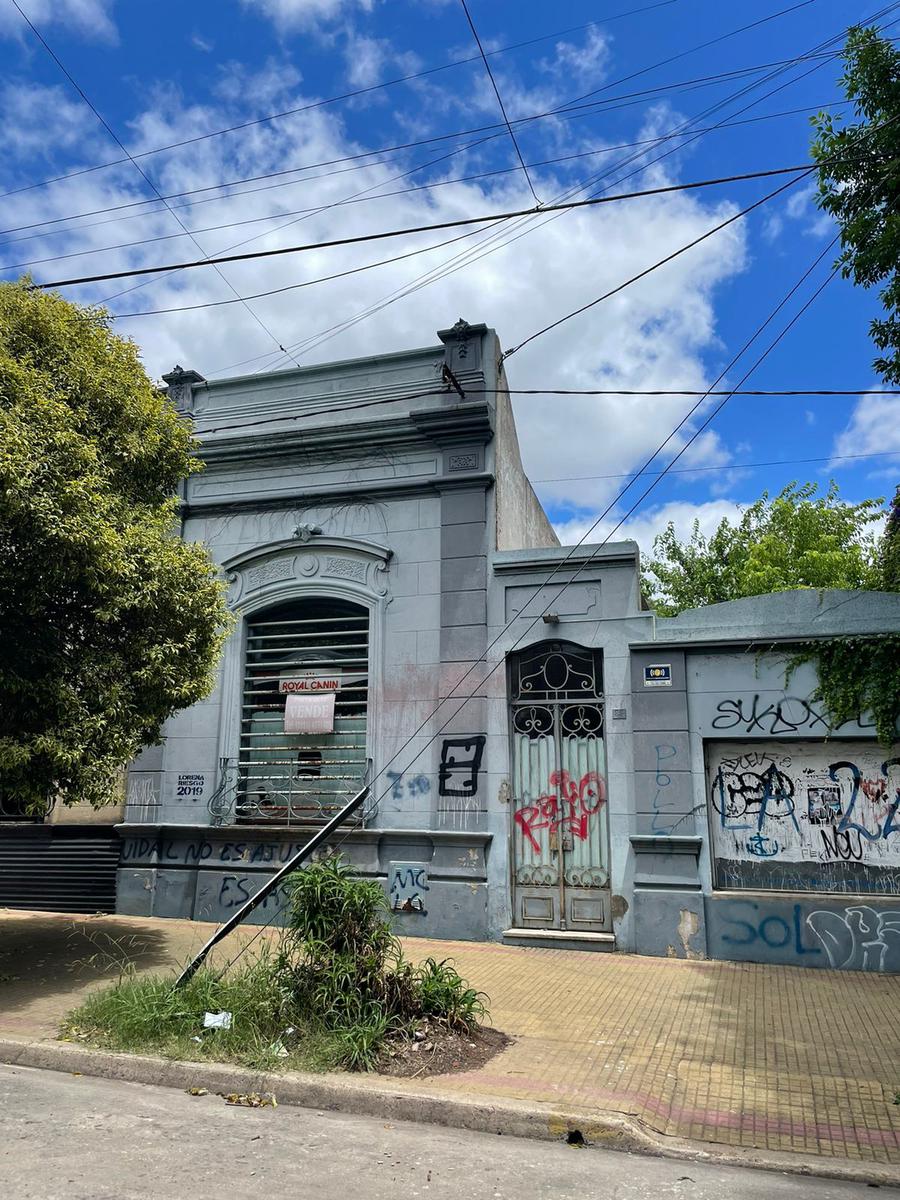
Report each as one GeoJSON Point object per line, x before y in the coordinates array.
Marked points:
{"type": "Point", "coordinates": [289, 778]}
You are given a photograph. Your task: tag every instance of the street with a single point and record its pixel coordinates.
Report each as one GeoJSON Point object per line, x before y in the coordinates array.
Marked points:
{"type": "Point", "coordinates": [89, 1139]}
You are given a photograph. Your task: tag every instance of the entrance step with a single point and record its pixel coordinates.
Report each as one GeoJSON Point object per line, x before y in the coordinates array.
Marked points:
{"type": "Point", "coordinates": [560, 939]}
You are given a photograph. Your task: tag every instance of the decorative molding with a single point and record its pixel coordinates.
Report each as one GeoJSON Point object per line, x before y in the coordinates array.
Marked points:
{"type": "Point", "coordinates": [277, 570]}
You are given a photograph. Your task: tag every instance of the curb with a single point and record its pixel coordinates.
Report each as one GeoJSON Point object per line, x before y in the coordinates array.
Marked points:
{"type": "Point", "coordinates": [336, 1093]}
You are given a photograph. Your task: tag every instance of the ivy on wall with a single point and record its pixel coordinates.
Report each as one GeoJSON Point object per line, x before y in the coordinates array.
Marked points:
{"type": "Point", "coordinates": [856, 675]}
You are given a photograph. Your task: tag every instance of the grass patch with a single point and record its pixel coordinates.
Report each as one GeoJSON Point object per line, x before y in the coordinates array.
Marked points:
{"type": "Point", "coordinates": [334, 992]}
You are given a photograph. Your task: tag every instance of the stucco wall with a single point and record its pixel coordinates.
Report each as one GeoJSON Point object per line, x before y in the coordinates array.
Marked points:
{"type": "Point", "coordinates": [771, 837]}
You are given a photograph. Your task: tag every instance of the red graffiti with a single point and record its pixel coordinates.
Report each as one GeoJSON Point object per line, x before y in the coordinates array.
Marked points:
{"type": "Point", "coordinates": [569, 807]}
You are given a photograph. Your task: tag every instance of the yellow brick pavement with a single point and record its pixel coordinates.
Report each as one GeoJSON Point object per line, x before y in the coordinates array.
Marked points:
{"type": "Point", "coordinates": [773, 1058]}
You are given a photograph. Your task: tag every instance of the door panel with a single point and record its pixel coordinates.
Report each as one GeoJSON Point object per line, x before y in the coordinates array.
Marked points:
{"type": "Point", "coordinates": [560, 823]}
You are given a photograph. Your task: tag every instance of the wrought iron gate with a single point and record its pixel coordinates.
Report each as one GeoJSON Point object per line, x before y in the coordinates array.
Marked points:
{"type": "Point", "coordinates": [560, 822]}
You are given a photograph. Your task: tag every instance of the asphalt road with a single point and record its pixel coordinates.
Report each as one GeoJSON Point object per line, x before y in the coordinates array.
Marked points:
{"type": "Point", "coordinates": [89, 1139]}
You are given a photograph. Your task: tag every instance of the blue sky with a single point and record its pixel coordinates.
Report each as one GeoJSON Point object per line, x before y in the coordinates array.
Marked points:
{"type": "Point", "coordinates": [162, 73]}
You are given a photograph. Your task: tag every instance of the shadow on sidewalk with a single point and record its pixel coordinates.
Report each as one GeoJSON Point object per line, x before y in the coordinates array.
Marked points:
{"type": "Point", "coordinates": [42, 957]}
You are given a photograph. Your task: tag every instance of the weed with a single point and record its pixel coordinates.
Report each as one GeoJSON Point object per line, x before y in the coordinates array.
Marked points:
{"type": "Point", "coordinates": [329, 994]}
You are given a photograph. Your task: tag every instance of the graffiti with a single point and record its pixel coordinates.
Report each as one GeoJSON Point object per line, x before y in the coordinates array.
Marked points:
{"type": "Point", "coordinates": [790, 714]}
{"type": "Point", "coordinates": [418, 785]}
{"type": "Point", "coordinates": [460, 764]}
{"type": "Point", "coordinates": [872, 790]}
{"type": "Point", "coordinates": [663, 780]}
{"type": "Point", "coordinates": [408, 882]}
{"type": "Point", "coordinates": [143, 791]}
{"type": "Point", "coordinates": [839, 845]}
{"type": "Point", "coordinates": [773, 930]}
{"type": "Point", "coordinates": [189, 853]}
{"type": "Point", "coordinates": [738, 792]}
{"type": "Point", "coordinates": [236, 890]}
{"type": "Point", "coordinates": [567, 806]}
{"type": "Point", "coordinates": [810, 933]}
{"type": "Point", "coordinates": [762, 847]}
{"type": "Point", "coordinates": [834, 803]}
{"type": "Point", "coordinates": [857, 939]}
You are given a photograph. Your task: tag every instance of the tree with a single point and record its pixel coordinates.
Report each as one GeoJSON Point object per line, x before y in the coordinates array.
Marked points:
{"type": "Point", "coordinates": [859, 181]}
{"type": "Point", "coordinates": [109, 621]}
{"type": "Point", "coordinates": [796, 539]}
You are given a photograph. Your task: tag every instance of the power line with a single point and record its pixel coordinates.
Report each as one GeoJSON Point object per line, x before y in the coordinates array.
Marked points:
{"type": "Point", "coordinates": [290, 287]}
{"type": "Point", "coordinates": [409, 230]}
{"type": "Point", "coordinates": [591, 303]}
{"type": "Point", "coordinates": [670, 392]}
{"type": "Point", "coordinates": [487, 67]}
{"type": "Point", "coordinates": [336, 99]}
{"type": "Point", "coordinates": [137, 166]}
{"type": "Point", "coordinates": [778, 462]}
{"type": "Point", "coordinates": [712, 42]}
{"type": "Point", "coordinates": [397, 258]}
{"type": "Point", "coordinates": [542, 162]}
{"type": "Point", "coordinates": [309, 343]}
{"type": "Point", "coordinates": [560, 113]}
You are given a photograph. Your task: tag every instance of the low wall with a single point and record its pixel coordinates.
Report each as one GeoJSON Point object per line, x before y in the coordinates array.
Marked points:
{"type": "Point", "coordinates": [436, 880]}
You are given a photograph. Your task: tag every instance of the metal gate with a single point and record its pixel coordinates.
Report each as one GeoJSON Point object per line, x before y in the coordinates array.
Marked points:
{"type": "Point", "coordinates": [311, 644]}
{"type": "Point", "coordinates": [560, 823]}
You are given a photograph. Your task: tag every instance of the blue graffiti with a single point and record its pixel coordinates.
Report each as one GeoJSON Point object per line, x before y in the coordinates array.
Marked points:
{"type": "Point", "coordinates": [773, 931]}
{"type": "Point", "coordinates": [663, 780]}
{"type": "Point", "coordinates": [762, 847]}
{"type": "Point", "coordinates": [418, 785]}
{"type": "Point", "coordinates": [889, 826]}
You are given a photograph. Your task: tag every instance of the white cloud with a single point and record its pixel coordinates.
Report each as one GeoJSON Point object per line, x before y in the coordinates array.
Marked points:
{"type": "Point", "coordinates": [92, 19]}
{"type": "Point", "coordinates": [584, 62]}
{"type": "Point", "coordinates": [644, 526]}
{"type": "Point", "coordinates": [800, 207]}
{"type": "Point", "coordinates": [40, 122]}
{"type": "Point", "coordinates": [874, 428]}
{"type": "Point", "coordinates": [654, 334]}
{"type": "Point", "coordinates": [201, 43]}
{"type": "Point", "coordinates": [307, 14]}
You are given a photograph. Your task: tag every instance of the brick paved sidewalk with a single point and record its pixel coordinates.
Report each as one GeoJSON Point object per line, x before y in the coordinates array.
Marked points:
{"type": "Point", "coordinates": [772, 1058]}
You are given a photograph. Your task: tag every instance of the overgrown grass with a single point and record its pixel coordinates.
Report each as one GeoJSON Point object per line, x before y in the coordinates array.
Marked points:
{"type": "Point", "coordinates": [332, 991]}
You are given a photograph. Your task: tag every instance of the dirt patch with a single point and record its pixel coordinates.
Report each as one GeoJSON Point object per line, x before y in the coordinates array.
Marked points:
{"type": "Point", "coordinates": [441, 1051]}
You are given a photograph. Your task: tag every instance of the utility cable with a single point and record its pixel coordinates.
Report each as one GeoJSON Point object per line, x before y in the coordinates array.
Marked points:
{"type": "Point", "coordinates": [309, 343]}
{"type": "Point", "coordinates": [594, 550]}
{"type": "Point", "coordinates": [608, 105]}
{"type": "Point", "coordinates": [806, 170]}
{"type": "Point", "coordinates": [414, 229]}
{"type": "Point", "coordinates": [739, 466]}
{"type": "Point", "coordinates": [335, 99]}
{"type": "Point", "coordinates": [805, 110]}
{"type": "Point", "coordinates": [487, 67]}
{"type": "Point", "coordinates": [138, 167]}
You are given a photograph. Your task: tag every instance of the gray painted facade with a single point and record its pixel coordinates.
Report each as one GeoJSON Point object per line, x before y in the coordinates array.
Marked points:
{"type": "Point", "coordinates": [538, 746]}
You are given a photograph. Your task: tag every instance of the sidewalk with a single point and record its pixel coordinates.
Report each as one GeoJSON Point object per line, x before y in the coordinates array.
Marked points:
{"type": "Point", "coordinates": [777, 1059]}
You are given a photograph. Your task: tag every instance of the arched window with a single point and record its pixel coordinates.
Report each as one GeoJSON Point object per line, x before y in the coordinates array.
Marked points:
{"type": "Point", "coordinates": [304, 708]}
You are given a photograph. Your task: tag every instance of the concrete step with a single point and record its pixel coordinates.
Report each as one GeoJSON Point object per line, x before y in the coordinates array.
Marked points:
{"type": "Point", "coordinates": [560, 939]}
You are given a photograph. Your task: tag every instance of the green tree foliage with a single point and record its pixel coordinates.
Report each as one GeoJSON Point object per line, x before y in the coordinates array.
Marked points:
{"type": "Point", "coordinates": [796, 539]}
{"type": "Point", "coordinates": [859, 181]}
{"type": "Point", "coordinates": [109, 622]}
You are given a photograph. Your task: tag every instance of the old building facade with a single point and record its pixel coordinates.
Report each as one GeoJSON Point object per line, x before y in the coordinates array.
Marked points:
{"type": "Point", "coordinates": [546, 761]}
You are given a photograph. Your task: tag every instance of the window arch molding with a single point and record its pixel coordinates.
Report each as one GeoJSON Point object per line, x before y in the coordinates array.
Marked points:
{"type": "Point", "coordinates": [313, 567]}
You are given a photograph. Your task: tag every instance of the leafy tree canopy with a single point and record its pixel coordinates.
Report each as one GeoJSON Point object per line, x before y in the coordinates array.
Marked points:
{"type": "Point", "coordinates": [859, 181]}
{"type": "Point", "coordinates": [796, 539]}
{"type": "Point", "coordinates": [109, 622]}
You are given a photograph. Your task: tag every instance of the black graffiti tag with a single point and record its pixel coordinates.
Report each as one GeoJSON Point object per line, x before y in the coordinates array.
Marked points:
{"type": "Point", "coordinates": [460, 764]}
{"type": "Point", "coordinates": [779, 716]}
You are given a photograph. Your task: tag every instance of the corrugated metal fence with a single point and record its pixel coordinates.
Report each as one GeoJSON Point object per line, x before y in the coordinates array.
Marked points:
{"type": "Point", "coordinates": [59, 868]}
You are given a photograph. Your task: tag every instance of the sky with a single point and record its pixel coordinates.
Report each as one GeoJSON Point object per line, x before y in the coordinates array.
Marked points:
{"type": "Point", "coordinates": [623, 95]}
